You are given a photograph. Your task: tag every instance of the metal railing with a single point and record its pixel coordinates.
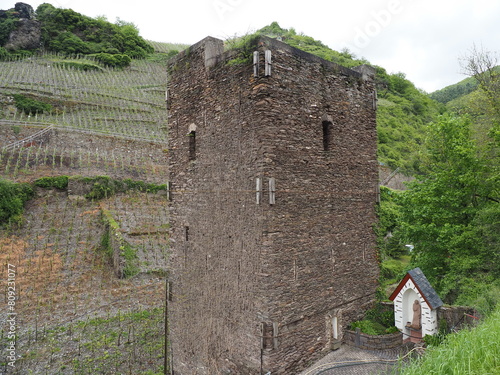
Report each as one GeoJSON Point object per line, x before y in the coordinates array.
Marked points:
{"type": "Point", "coordinates": [27, 140]}
{"type": "Point", "coordinates": [51, 126]}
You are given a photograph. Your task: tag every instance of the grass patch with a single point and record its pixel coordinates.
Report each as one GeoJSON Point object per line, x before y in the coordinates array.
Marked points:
{"type": "Point", "coordinates": [129, 253]}
{"type": "Point", "coordinates": [126, 251]}
{"type": "Point", "coordinates": [393, 269]}
{"type": "Point", "coordinates": [121, 343]}
{"type": "Point", "coordinates": [469, 352]}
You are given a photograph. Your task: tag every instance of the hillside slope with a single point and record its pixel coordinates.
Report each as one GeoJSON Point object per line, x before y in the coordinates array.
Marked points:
{"type": "Point", "coordinates": [455, 91]}
{"type": "Point", "coordinates": [127, 104]}
{"type": "Point", "coordinates": [90, 260]}
{"type": "Point", "coordinates": [74, 313]}
{"type": "Point", "coordinates": [403, 110]}
{"type": "Point", "coordinates": [459, 89]}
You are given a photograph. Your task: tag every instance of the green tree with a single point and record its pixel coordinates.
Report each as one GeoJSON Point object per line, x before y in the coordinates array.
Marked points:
{"type": "Point", "coordinates": [6, 26]}
{"type": "Point", "coordinates": [443, 209]}
{"type": "Point", "coordinates": [483, 66]}
{"type": "Point", "coordinates": [387, 229]}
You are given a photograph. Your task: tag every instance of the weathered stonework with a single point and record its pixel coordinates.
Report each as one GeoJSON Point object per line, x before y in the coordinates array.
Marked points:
{"type": "Point", "coordinates": [373, 342]}
{"type": "Point", "coordinates": [273, 178]}
{"type": "Point", "coordinates": [27, 35]}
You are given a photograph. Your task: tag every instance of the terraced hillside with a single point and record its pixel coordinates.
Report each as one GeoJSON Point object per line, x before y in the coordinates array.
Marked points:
{"type": "Point", "coordinates": [90, 254]}
{"type": "Point", "coordinates": [126, 103]}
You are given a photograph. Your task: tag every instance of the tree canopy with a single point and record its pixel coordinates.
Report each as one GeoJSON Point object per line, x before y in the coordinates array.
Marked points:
{"type": "Point", "coordinates": [451, 213]}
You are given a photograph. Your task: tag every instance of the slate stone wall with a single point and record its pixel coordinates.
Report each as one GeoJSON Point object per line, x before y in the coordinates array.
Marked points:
{"type": "Point", "coordinates": [373, 342]}
{"type": "Point", "coordinates": [259, 273]}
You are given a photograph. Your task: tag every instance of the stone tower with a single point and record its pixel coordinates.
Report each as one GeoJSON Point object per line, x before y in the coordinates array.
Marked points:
{"type": "Point", "coordinates": [273, 173]}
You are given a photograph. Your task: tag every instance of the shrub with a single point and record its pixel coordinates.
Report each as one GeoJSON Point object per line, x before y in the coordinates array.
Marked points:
{"type": "Point", "coordinates": [244, 46]}
{"type": "Point", "coordinates": [102, 187]}
{"type": "Point", "coordinates": [12, 199]}
{"type": "Point", "coordinates": [68, 43]}
{"type": "Point", "coordinates": [114, 61]}
{"type": "Point", "coordinates": [3, 53]}
{"type": "Point", "coordinates": [58, 182]}
{"type": "Point", "coordinates": [368, 327]}
{"type": "Point", "coordinates": [67, 31]}
{"type": "Point", "coordinates": [122, 60]}
{"type": "Point", "coordinates": [105, 187]}
{"type": "Point", "coordinates": [20, 54]}
{"type": "Point", "coordinates": [391, 329]}
{"type": "Point", "coordinates": [30, 106]}
{"type": "Point", "coordinates": [6, 26]}
{"type": "Point", "coordinates": [382, 315]}
{"type": "Point", "coordinates": [377, 321]}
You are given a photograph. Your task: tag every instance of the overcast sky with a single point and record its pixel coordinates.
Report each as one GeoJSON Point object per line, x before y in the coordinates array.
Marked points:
{"type": "Point", "coordinates": [422, 38]}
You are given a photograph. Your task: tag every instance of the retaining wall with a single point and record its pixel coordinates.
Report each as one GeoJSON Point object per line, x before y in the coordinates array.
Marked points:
{"type": "Point", "coordinates": [373, 342]}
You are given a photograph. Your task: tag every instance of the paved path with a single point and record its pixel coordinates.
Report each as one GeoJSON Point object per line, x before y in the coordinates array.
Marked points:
{"type": "Point", "coordinates": [353, 361]}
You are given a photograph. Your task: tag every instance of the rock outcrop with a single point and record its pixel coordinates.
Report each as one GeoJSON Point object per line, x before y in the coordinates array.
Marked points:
{"type": "Point", "coordinates": [27, 35]}
{"type": "Point", "coordinates": [25, 11]}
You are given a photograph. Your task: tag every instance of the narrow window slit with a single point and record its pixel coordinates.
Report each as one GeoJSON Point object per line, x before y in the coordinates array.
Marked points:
{"type": "Point", "coordinates": [192, 145]}
{"type": "Point", "coordinates": [327, 130]}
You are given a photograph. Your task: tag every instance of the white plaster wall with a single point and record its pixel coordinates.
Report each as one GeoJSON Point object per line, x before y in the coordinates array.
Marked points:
{"type": "Point", "coordinates": [429, 321]}
{"type": "Point", "coordinates": [409, 293]}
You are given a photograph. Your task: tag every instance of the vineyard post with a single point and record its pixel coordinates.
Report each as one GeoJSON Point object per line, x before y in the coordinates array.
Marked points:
{"type": "Point", "coordinates": [167, 365]}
